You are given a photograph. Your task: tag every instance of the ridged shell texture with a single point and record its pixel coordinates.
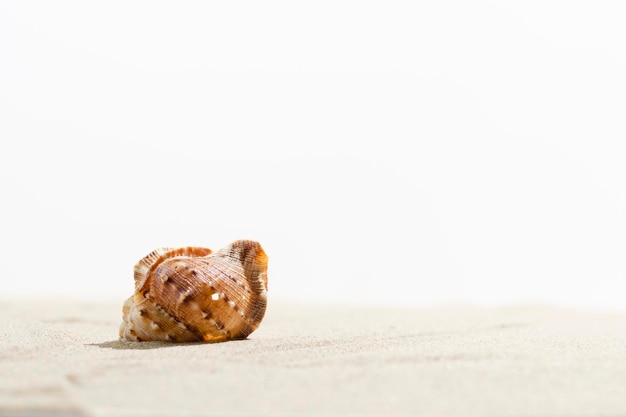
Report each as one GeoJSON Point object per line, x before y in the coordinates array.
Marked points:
{"type": "Point", "coordinates": [191, 294]}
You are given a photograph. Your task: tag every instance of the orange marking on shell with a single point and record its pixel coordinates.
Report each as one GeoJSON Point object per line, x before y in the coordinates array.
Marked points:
{"type": "Point", "coordinates": [175, 292]}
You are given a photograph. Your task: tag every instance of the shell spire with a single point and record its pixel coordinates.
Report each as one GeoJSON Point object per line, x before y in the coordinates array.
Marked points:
{"type": "Point", "coordinates": [192, 294]}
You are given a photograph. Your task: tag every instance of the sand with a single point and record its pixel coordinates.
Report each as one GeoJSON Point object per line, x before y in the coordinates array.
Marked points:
{"type": "Point", "coordinates": [64, 358]}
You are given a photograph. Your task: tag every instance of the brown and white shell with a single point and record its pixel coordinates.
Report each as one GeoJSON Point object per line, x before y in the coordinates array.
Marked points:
{"type": "Point", "coordinates": [191, 294]}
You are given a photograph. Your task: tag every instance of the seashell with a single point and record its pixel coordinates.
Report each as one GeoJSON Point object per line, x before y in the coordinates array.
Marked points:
{"type": "Point", "coordinates": [191, 294]}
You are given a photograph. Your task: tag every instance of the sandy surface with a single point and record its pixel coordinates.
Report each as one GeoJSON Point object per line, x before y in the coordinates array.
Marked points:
{"type": "Point", "coordinates": [62, 358]}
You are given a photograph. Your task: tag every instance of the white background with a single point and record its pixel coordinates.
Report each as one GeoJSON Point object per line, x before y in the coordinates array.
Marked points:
{"type": "Point", "coordinates": [389, 153]}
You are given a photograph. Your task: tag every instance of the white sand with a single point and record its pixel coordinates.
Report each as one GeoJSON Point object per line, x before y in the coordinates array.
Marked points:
{"type": "Point", "coordinates": [63, 358]}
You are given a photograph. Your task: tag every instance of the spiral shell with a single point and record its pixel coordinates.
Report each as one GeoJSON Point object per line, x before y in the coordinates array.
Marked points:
{"type": "Point", "coordinates": [191, 294]}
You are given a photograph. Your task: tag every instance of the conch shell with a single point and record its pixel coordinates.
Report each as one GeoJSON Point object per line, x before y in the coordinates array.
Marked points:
{"type": "Point", "coordinates": [191, 294]}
